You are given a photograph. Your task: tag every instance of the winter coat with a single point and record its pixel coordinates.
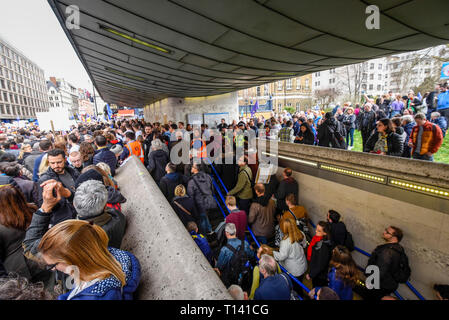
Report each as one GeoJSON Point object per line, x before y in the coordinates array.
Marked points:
{"type": "Point", "coordinates": [259, 210]}
{"type": "Point", "coordinates": [188, 204]}
{"type": "Point", "coordinates": [442, 123]}
{"type": "Point", "coordinates": [169, 182]}
{"type": "Point", "coordinates": [394, 144]}
{"type": "Point", "coordinates": [242, 189]}
{"type": "Point", "coordinates": [29, 189]}
{"type": "Point", "coordinates": [387, 259]}
{"type": "Point", "coordinates": [286, 187]}
{"type": "Point", "coordinates": [291, 256]}
{"type": "Point", "coordinates": [157, 161]}
{"type": "Point", "coordinates": [319, 262]}
{"type": "Point", "coordinates": [12, 256]}
{"type": "Point", "coordinates": [64, 209]}
{"type": "Point", "coordinates": [277, 287]}
{"type": "Point", "coordinates": [113, 222]}
{"type": "Point", "coordinates": [238, 217]}
{"type": "Point", "coordinates": [349, 121]}
{"type": "Point", "coordinates": [367, 121]}
{"type": "Point", "coordinates": [307, 137]}
{"type": "Point", "coordinates": [107, 156]}
{"type": "Point", "coordinates": [111, 288]}
{"type": "Point", "coordinates": [431, 140]}
{"type": "Point", "coordinates": [201, 189]}
{"type": "Point", "coordinates": [344, 291]}
{"type": "Point", "coordinates": [324, 136]}
{"type": "Point", "coordinates": [338, 233]}
{"type": "Point", "coordinates": [29, 161]}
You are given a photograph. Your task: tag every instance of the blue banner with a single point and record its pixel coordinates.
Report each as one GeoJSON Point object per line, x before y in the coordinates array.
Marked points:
{"type": "Point", "coordinates": [445, 71]}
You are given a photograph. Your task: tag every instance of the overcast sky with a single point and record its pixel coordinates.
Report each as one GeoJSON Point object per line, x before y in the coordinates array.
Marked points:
{"type": "Point", "coordinates": [32, 28]}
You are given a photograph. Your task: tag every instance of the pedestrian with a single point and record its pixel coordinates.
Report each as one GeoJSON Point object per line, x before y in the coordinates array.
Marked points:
{"type": "Point", "coordinates": [343, 275]}
{"type": "Point", "coordinates": [384, 140]}
{"type": "Point", "coordinates": [319, 254]}
{"type": "Point", "coordinates": [243, 188]}
{"type": "Point", "coordinates": [426, 138]}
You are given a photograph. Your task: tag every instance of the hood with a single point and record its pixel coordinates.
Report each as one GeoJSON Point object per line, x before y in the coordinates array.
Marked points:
{"type": "Point", "coordinates": [202, 180]}
{"type": "Point", "coordinates": [332, 122]}
{"type": "Point", "coordinates": [114, 196]}
{"type": "Point", "coordinates": [159, 154]}
{"type": "Point", "coordinates": [130, 266]}
{"type": "Point", "coordinates": [263, 200]}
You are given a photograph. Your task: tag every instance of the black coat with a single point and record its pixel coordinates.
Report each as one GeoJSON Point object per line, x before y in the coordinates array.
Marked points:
{"type": "Point", "coordinates": [319, 261]}
{"type": "Point", "coordinates": [64, 209]}
{"type": "Point", "coordinates": [387, 259]}
{"type": "Point", "coordinates": [188, 204]}
{"type": "Point", "coordinates": [338, 233]}
{"type": "Point", "coordinates": [394, 144]}
{"type": "Point", "coordinates": [157, 160]}
{"type": "Point", "coordinates": [286, 187]}
{"type": "Point", "coordinates": [307, 137]}
{"type": "Point", "coordinates": [169, 182]}
{"type": "Point", "coordinates": [367, 121]}
{"type": "Point", "coordinates": [107, 156]}
{"type": "Point", "coordinates": [29, 189]}
{"type": "Point", "coordinates": [324, 135]}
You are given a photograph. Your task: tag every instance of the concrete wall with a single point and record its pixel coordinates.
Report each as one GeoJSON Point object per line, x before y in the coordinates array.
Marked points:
{"type": "Point", "coordinates": [173, 267]}
{"type": "Point", "coordinates": [366, 214]}
{"type": "Point", "coordinates": [177, 109]}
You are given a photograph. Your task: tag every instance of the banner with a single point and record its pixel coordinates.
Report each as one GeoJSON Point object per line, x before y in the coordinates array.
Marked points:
{"type": "Point", "coordinates": [445, 71]}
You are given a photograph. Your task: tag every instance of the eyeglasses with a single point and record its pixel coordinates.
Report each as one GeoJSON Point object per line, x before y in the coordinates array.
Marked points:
{"type": "Point", "coordinates": [49, 267]}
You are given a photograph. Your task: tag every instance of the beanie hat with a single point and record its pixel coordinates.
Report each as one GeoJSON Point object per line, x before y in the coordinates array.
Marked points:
{"type": "Point", "coordinates": [91, 174]}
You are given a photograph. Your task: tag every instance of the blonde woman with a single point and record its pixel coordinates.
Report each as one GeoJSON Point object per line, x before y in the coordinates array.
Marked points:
{"type": "Point", "coordinates": [290, 253]}
{"type": "Point", "coordinates": [80, 250]}
{"type": "Point", "coordinates": [25, 151]}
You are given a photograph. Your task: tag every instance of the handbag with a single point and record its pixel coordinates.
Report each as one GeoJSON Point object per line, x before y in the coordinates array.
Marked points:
{"type": "Point", "coordinates": [293, 294]}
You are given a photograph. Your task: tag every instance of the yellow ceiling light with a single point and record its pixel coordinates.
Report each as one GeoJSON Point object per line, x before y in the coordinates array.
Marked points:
{"type": "Point", "coordinates": [130, 76]}
{"type": "Point", "coordinates": [144, 43]}
{"type": "Point", "coordinates": [285, 74]}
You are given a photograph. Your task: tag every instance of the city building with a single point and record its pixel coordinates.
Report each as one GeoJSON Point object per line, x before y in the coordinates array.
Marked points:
{"type": "Point", "coordinates": [23, 90]}
{"type": "Point", "coordinates": [64, 95]}
{"type": "Point", "coordinates": [293, 93]}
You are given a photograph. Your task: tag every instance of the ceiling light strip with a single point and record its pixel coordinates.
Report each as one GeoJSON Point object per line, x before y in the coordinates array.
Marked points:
{"type": "Point", "coordinates": [144, 43]}
{"type": "Point", "coordinates": [308, 163]}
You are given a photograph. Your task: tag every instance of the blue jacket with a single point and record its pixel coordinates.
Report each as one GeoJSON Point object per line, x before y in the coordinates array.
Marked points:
{"type": "Point", "coordinates": [296, 128]}
{"type": "Point", "coordinates": [107, 156]}
{"type": "Point", "coordinates": [443, 100]}
{"type": "Point", "coordinates": [336, 284]}
{"type": "Point", "coordinates": [37, 163]}
{"type": "Point", "coordinates": [202, 243]}
{"type": "Point", "coordinates": [110, 288]}
{"type": "Point", "coordinates": [276, 287]}
{"type": "Point", "coordinates": [442, 123]}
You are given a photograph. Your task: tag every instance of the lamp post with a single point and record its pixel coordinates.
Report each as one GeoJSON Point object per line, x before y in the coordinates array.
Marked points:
{"type": "Point", "coordinates": [95, 100]}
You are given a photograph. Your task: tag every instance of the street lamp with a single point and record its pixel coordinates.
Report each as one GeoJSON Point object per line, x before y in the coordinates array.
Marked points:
{"type": "Point", "coordinates": [95, 100]}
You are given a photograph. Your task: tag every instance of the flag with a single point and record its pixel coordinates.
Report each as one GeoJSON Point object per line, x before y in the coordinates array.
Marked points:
{"type": "Point", "coordinates": [254, 108]}
{"type": "Point", "coordinates": [109, 111]}
{"type": "Point", "coordinates": [419, 96]}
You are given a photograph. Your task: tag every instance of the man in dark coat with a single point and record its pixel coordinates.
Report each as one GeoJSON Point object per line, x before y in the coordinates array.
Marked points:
{"type": "Point", "coordinates": [286, 186]}
{"type": "Point", "coordinates": [66, 177]}
{"type": "Point", "coordinates": [367, 123]}
{"type": "Point", "coordinates": [103, 154]}
{"type": "Point", "coordinates": [157, 160]}
{"type": "Point", "coordinates": [169, 182]}
{"type": "Point", "coordinates": [337, 228]}
{"type": "Point", "coordinates": [329, 131]}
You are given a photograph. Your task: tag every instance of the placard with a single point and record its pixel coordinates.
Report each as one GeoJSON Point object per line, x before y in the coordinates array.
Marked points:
{"type": "Point", "coordinates": [195, 119]}
{"type": "Point", "coordinates": [214, 119]}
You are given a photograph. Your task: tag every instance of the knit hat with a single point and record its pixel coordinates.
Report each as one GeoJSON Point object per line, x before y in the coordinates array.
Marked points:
{"type": "Point", "coordinates": [91, 174]}
{"type": "Point", "coordinates": [117, 149]}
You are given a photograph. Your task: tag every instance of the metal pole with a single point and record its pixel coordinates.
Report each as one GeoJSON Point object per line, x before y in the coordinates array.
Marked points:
{"type": "Point", "coordinates": [95, 101]}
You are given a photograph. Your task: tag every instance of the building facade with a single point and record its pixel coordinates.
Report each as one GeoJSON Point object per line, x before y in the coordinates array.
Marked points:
{"type": "Point", "coordinates": [23, 90]}
{"type": "Point", "coordinates": [293, 93]}
{"type": "Point", "coordinates": [64, 95]}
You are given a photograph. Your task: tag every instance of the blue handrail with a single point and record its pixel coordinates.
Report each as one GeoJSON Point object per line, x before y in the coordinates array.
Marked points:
{"type": "Point", "coordinates": [409, 285]}
{"type": "Point", "coordinates": [249, 229]}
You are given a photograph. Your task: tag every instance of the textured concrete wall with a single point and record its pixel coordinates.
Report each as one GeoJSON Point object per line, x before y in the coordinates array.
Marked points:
{"type": "Point", "coordinates": [426, 232]}
{"type": "Point", "coordinates": [177, 109]}
{"type": "Point", "coordinates": [173, 267]}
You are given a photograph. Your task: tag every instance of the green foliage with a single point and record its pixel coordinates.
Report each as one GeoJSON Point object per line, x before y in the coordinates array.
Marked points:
{"type": "Point", "coordinates": [291, 110]}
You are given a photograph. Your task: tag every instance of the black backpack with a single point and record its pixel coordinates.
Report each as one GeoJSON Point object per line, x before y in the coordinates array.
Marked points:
{"type": "Point", "coordinates": [349, 242]}
{"type": "Point", "coordinates": [336, 138]}
{"type": "Point", "coordinates": [403, 272]}
{"type": "Point", "coordinates": [303, 225]}
{"type": "Point", "coordinates": [239, 269]}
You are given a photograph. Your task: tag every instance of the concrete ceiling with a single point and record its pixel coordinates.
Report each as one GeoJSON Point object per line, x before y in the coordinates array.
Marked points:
{"type": "Point", "coordinates": [138, 52]}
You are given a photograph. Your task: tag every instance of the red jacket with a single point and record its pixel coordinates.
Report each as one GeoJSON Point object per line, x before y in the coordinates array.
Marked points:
{"type": "Point", "coordinates": [431, 140]}
{"type": "Point", "coordinates": [240, 220]}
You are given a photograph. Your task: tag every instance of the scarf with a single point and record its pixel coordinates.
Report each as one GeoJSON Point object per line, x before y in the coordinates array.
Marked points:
{"type": "Point", "coordinates": [314, 241]}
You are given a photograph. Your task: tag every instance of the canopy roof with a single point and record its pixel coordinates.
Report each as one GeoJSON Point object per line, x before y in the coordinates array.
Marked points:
{"type": "Point", "coordinates": [138, 52]}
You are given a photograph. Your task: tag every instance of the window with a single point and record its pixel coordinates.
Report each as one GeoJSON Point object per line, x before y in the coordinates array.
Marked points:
{"type": "Point", "coordinates": [289, 84]}
{"type": "Point", "coordinates": [371, 66]}
{"type": "Point", "coordinates": [298, 83]}
{"type": "Point", "coordinates": [371, 76]}
{"type": "Point", "coordinates": [379, 77]}
{"type": "Point", "coordinates": [307, 84]}
{"type": "Point", "coordinates": [380, 66]}
{"type": "Point", "coordinates": [427, 71]}
{"type": "Point", "coordinates": [371, 87]}
{"type": "Point", "coordinates": [279, 85]}
{"type": "Point", "coordinates": [363, 86]}
{"type": "Point", "coordinates": [379, 87]}
{"type": "Point", "coordinates": [3, 83]}
{"type": "Point", "coordinates": [317, 74]}
{"type": "Point", "coordinates": [258, 91]}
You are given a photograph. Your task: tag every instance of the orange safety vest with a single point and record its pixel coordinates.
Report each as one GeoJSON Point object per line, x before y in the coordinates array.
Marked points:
{"type": "Point", "coordinates": [135, 148]}
{"type": "Point", "coordinates": [202, 152]}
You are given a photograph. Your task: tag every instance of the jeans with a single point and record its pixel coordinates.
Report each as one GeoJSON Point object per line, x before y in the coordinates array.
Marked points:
{"type": "Point", "coordinates": [350, 135]}
{"type": "Point", "coordinates": [393, 113]}
{"type": "Point", "coordinates": [204, 224]}
{"type": "Point", "coordinates": [422, 157]}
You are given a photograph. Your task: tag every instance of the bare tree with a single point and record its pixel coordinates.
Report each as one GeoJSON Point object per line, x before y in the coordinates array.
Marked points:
{"type": "Point", "coordinates": [326, 96]}
{"type": "Point", "coordinates": [352, 78]}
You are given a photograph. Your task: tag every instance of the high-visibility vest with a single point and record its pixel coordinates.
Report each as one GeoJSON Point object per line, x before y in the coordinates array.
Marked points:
{"type": "Point", "coordinates": [239, 140]}
{"type": "Point", "coordinates": [135, 148]}
{"type": "Point", "coordinates": [202, 151]}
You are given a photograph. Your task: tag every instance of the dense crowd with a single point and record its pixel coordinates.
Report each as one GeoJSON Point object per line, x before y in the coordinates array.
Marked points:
{"type": "Point", "coordinates": [61, 215]}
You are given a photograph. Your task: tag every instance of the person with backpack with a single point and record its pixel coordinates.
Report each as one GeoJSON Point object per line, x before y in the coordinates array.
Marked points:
{"type": "Point", "coordinates": [339, 233]}
{"type": "Point", "coordinates": [330, 133]}
{"type": "Point", "coordinates": [392, 262]}
{"type": "Point", "coordinates": [234, 263]}
{"type": "Point", "coordinates": [243, 189]}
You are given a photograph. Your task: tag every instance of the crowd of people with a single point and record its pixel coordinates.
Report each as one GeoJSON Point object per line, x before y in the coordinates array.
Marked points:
{"type": "Point", "coordinates": [403, 126]}
{"type": "Point", "coordinates": [61, 216]}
